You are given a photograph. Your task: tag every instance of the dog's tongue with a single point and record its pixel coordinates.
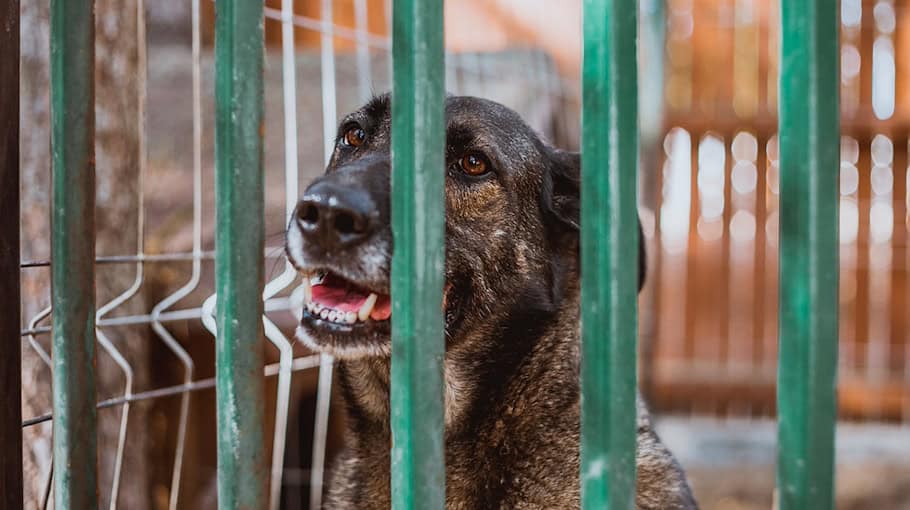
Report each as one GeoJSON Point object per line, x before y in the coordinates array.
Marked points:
{"type": "Point", "coordinates": [337, 294]}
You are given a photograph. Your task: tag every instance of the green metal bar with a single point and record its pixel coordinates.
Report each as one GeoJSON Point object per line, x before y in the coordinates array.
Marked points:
{"type": "Point", "coordinates": [418, 163]}
{"type": "Point", "coordinates": [242, 471]}
{"type": "Point", "coordinates": [609, 248]}
{"type": "Point", "coordinates": [73, 252]}
{"type": "Point", "coordinates": [11, 359]}
{"type": "Point", "coordinates": [809, 164]}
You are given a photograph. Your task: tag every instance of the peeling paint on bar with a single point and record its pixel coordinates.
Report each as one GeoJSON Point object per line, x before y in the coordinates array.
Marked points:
{"type": "Point", "coordinates": [73, 252]}
{"type": "Point", "coordinates": [239, 386]}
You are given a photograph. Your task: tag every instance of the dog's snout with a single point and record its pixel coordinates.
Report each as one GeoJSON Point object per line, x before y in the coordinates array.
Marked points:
{"type": "Point", "coordinates": [334, 216]}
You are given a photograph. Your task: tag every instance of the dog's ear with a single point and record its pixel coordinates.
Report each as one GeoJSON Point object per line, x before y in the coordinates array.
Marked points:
{"type": "Point", "coordinates": [560, 198]}
{"type": "Point", "coordinates": [561, 202]}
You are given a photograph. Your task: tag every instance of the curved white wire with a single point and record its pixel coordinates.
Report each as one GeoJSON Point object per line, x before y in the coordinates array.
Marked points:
{"type": "Point", "coordinates": [172, 344]}
{"type": "Point", "coordinates": [282, 400]}
{"type": "Point", "coordinates": [329, 119]}
{"type": "Point", "coordinates": [120, 360]}
{"type": "Point", "coordinates": [111, 305]}
{"type": "Point", "coordinates": [32, 324]}
{"type": "Point", "coordinates": [320, 430]}
{"type": "Point", "coordinates": [208, 314]}
{"type": "Point", "coordinates": [46, 359]}
{"type": "Point", "coordinates": [124, 414]}
{"type": "Point", "coordinates": [124, 365]}
{"type": "Point", "coordinates": [272, 333]}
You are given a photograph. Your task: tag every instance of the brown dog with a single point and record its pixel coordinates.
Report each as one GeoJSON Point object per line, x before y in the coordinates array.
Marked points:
{"type": "Point", "coordinates": [511, 313]}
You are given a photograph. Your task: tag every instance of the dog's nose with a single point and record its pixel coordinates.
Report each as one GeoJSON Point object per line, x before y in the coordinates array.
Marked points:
{"type": "Point", "coordinates": [335, 216]}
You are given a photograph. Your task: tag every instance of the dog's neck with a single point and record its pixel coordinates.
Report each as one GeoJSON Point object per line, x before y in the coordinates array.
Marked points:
{"type": "Point", "coordinates": [480, 368]}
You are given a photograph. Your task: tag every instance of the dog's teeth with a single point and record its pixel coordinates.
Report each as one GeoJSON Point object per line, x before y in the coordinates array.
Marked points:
{"type": "Point", "coordinates": [324, 314]}
{"type": "Point", "coordinates": [333, 316]}
{"type": "Point", "coordinates": [317, 278]}
{"type": "Point", "coordinates": [350, 317]}
{"type": "Point", "coordinates": [364, 312]}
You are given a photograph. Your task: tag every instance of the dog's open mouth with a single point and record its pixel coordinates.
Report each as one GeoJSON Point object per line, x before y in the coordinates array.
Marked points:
{"type": "Point", "coordinates": [347, 318]}
{"type": "Point", "coordinates": [344, 318]}
{"type": "Point", "coordinates": [335, 299]}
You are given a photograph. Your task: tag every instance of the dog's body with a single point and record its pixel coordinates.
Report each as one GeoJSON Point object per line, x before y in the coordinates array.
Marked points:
{"type": "Point", "coordinates": [511, 310]}
{"type": "Point", "coordinates": [513, 428]}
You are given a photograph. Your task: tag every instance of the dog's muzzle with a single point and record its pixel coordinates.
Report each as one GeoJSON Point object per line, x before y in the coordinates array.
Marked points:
{"type": "Point", "coordinates": [338, 240]}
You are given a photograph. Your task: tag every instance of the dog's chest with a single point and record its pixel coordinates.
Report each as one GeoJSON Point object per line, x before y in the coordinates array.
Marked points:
{"type": "Point", "coordinates": [489, 472]}
{"type": "Point", "coordinates": [524, 484]}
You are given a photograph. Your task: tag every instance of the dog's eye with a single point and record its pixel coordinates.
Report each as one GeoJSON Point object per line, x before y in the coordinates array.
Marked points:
{"type": "Point", "coordinates": [354, 137]}
{"type": "Point", "coordinates": [473, 164]}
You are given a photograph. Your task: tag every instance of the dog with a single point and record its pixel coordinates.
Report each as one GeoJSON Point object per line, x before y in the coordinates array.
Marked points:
{"type": "Point", "coordinates": [511, 311]}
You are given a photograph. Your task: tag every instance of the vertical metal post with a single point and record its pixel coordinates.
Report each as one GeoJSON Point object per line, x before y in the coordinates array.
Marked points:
{"type": "Point", "coordinates": [418, 162]}
{"type": "Point", "coordinates": [73, 252]}
{"type": "Point", "coordinates": [240, 390]}
{"type": "Point", "coordinates": [11, 360]}
{"type": "Point", "coordinates": [609, 244]}
{"type": "Point", "coordinates": [809, 166]}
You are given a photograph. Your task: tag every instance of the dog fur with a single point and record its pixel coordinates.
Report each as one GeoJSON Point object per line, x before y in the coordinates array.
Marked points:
{"type": "Point", "coordinates": [511, 321]}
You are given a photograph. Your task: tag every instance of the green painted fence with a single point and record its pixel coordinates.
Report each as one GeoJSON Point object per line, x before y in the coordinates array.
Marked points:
{"type": "Point", "coordinates": [418, 158]}
{"type": "Point", "coordinates": [609, 243]}
{"type": "Point", "coordinates": [809, 120]}
{"type": "Point", "coordinates": [809, 147]}
{"type": "Point", "coordinates": [239, 240]}
{"type": "Point", "coordinates": [73, 252]}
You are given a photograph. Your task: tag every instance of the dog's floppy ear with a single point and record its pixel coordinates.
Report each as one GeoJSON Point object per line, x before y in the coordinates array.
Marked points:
{"type": "Point", "coordinates": [561, 201]}
{"type": "Point", "coordinates": [560, 193]}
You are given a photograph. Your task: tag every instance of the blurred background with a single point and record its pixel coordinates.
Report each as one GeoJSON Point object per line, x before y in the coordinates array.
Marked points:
{"type": "Point", "coordinates": [708, 204]}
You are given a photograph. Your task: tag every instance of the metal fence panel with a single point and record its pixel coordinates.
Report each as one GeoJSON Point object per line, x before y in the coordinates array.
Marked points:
{"type": "Point", "coordinates": [609, 253]}
{"type": "Point", "coordinates": [418, 177]}
{"type": "Point", "coordinates": [239, 241]}
{"type": "Point", "coordinates": [809, 164]}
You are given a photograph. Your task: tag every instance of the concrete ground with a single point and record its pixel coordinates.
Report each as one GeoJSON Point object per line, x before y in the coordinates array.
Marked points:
{"type": "Point", "coordinates": [730, 463]}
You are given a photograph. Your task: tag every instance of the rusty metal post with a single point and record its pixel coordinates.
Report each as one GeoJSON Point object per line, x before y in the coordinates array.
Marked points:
{"type": "Point", "coordinates": [73, 252]}
{"type": "Point", "coordinates": [240, 390]}
{"type": "Point", "coordinates": [10, 355]}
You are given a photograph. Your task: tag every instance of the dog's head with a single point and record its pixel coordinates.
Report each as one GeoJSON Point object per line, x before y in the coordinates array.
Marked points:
{"type": "Point", "coordinates": [512, 205]}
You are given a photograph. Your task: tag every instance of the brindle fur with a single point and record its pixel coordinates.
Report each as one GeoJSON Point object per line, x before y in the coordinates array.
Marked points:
{"type": "Point", "coordinates": [512, 325]}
